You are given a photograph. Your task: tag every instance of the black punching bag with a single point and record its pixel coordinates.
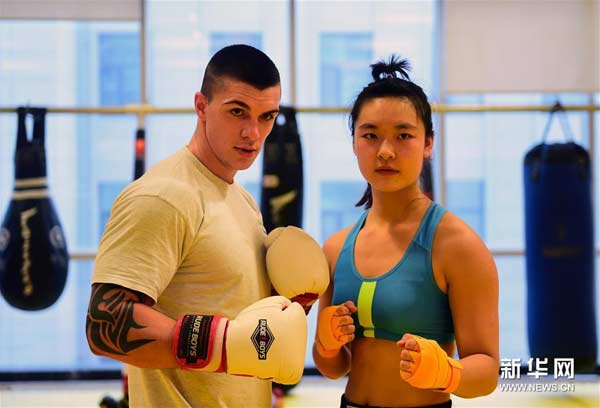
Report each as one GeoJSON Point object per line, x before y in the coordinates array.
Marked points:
{"type": "Point", "coordinates": [33, 254]}
{"type": "Point", "coordinates": [559, 233]}
{"type": "Point", "coordinates": [282, 182]}
{"type": "Point", "coordinates": [140, 154]}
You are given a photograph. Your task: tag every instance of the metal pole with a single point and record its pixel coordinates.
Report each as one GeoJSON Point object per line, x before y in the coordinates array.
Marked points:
{"type": "Point", "coordinates": [146, 109]}
{"type": "Point", "coordinates": [441, 87]}
{"type": "Point", "coordinates": [82, 256]}
{"type": "Point", "coordinates": [292, 36]}
{"type": "Point", "coordinates": [143, 97]}
{"type": "Point", "coordinates": [592, 149]}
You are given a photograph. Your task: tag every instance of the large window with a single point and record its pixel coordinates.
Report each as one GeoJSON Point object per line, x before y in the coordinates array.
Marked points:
{"type": "Point", "coordinates": [91, 156]}
{"type": "Point", "coordinates": [107, 192]}
{"type": "Point", "coordinates": [484, 186]}
{"type": "Point", "coordinates": [337, 205]}
{"type": "Point", "coordinates": [220, 40]}
{"type": "Point", "coordinates": [335, 46]}
{"type": "Point", "coordinates": [119, 65]}
{"type": "Point", "coordinates": [182, 38]}
{"type": "Point", "coordinates": [68, 64]}
{"type": "Point", "coordinates": [345, 60]}
{"type": "Point", "coordinates": [484, 160]}
{"type": "Point", "coordinates": [465, 198]}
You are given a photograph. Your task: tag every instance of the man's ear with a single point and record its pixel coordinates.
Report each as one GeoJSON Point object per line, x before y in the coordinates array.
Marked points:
{"type": "Point", "coordinates": [200, 104]}
{"type": "Point", "coordinates": [428, 146]}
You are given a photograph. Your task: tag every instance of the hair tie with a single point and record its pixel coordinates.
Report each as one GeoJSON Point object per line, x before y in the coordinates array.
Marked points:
{"type": "Point", "coordinates": [387, 75]}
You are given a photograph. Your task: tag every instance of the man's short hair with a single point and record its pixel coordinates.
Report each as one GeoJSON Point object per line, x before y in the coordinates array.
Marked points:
{"type": "Point", "coordinates": [239, 62]}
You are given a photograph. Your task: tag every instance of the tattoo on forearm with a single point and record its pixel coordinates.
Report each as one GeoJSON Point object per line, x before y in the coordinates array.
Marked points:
{"type": "Point", "coordinates": [110, 317]}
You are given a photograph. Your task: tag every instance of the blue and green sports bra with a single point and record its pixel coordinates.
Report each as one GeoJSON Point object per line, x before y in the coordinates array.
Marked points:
{"type": "Point", "coordinates": [405, 299]}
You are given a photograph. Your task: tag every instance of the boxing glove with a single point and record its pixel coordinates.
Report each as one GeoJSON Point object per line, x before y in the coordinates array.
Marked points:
{"type": "Point", "coordinates": [296, 265]}
{"type": "Point", "coordinates": [265, 340]}
{"type": "Point", "coordinates": [432, 368]}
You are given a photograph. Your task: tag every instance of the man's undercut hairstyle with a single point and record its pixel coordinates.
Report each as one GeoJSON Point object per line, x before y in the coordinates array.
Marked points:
{"type": "Point", "coordinates": [242, 63]}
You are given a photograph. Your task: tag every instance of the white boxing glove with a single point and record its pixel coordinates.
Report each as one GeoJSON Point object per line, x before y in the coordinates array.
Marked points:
{"type": "Point", "coordinates": [266, 340]}
{"type": "Point", "coordinates": [296, 265]}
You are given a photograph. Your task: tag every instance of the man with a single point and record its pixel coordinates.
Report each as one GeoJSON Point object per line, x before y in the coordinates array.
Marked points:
{"type": "Point", "coordinates": [182, 255]}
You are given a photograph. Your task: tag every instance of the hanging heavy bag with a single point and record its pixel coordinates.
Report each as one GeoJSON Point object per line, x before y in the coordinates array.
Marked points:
{"type": "Point", "coordinates": [283, 182]}
{"type": "Point", "coordinates": [33, 254]}
{"type": "Point", "coordinates": [140, 154]}
{"type": "Point", "coordinates": [560, 251]}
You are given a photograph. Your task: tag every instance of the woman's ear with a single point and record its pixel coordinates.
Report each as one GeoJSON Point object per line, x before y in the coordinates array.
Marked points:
{"type": "Point", "coordinates": [428, 146]}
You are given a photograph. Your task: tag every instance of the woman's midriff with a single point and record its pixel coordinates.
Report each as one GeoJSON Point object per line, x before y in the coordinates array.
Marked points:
{"type": "Point", "coordinates": [375, 377]}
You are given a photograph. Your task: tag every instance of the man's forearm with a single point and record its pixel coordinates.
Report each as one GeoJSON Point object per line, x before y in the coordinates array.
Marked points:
{"type": "Point", "coordinates": [120, 326]}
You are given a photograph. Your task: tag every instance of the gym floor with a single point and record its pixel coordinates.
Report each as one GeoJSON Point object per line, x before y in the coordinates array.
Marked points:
{"type": "Point", "coordinates": [312, 392]}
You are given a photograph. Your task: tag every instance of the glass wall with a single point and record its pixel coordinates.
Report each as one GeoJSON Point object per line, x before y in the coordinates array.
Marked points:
{"type": "Point", "coordinates": [484, 155]}
{"type": "Point", "coordinates": [89, 159]}
{"type": "Point", "coordinates": [90, 156]}
{"type": "Point", "coordinates": [484, 160]}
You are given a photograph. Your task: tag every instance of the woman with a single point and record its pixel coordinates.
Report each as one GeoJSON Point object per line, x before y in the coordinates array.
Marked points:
{"type": "Point", "coordinates": [409, 279]}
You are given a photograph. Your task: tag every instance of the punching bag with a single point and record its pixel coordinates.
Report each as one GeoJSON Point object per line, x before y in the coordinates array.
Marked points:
{"type": "Point", "coordinates": [33, 253]}
{"type": "Point", "coordinates": [282, 185]}
{"type": "Point", "coordinates": [140, 154]}
{"type": "Point", "coordinates": [282, 181]}
{"type": "Point", "coordinates": [560, 251]}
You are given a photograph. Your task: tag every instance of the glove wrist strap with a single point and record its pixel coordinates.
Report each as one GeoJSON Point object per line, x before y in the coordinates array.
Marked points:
{"type": "Point", "coordinates": [199, 342]}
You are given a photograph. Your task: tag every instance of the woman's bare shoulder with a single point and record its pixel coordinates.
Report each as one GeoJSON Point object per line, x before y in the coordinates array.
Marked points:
{"type": "Point", "coordinates": [459, 249]}
{"type": "Point", "coordinates": [333, 246]}
{"type": "Point", "coordinates": [454, 233]}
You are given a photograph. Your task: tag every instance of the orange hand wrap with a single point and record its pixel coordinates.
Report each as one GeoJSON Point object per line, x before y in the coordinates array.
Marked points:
{"type": "Point", "coordinates": [432, 368]}
{"type": "Point", "coordinates": [329, 332]}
